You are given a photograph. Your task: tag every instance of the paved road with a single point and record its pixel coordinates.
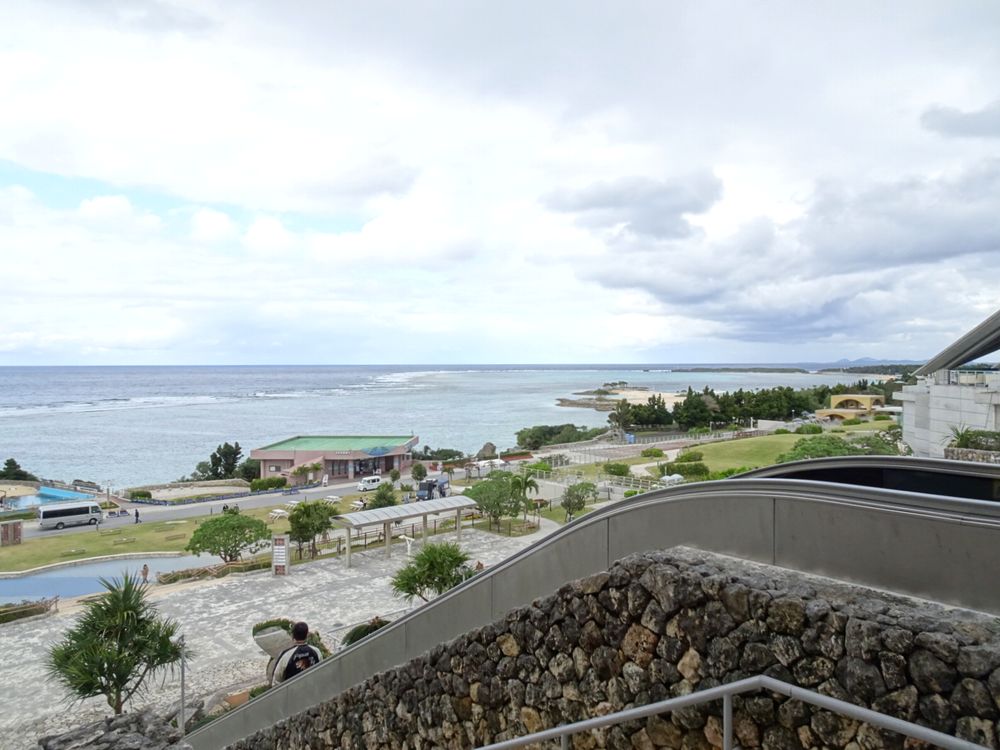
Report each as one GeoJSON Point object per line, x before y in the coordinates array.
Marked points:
{"type": "Point", "coordinates": [208, 507]}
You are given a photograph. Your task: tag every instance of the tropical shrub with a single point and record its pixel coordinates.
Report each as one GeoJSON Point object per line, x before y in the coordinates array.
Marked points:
{"type": "Point", "coordinates": [882, 418]}
{"type": "Point", "coordinates": [360, 631]}
{"type": "Point", "coordinates": [782, 431]}
{"type": "Point", "coordinates": [433, 570]}
{"type": "Point", "coordinates": [545, 434]}
{"type": "Point", "coordinates": [268, 483]}
{"type": "Point", "coordinates": [537, 466]}
{"type": "Point", "coordinates": [810, 429]}
{"type": "Point", "coordinates": [690, 469]}
{"type": "Point", "coordinates": [418, 471]}
{"type": "Point", "coordinates": [616, 470]}
{"type": "Point", "coordinates": [385, 497]}
{"type": "Point", "coordinates": [850, 422]}
{"type": "Point", "coordinates": [690, 456]}
{"type": "Point", "coordinates": [140, 495]}
{"type": "Point", "coordinates": [726, 473]}
{"type": "Point", "coordinates": [652, 453]}
{"type": "Point", "coordinates": [982, 440]}
{"type": "Point", "coordinates": [631, 493]}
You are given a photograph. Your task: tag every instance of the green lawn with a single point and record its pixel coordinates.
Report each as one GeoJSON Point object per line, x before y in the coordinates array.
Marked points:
{"type": "Point", "coordinates": [749, 452]}
{"type": "Point", "coordinates": [148, 537]}
{"type": "Point", "coordinates": [762, 451]}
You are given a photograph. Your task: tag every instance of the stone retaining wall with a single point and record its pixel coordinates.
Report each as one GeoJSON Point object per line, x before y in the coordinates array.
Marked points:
{"type": "Point", "coordinates": [193, 485]}
{"type": "Point", "coordinates": [970, 454]}
{"type": "Point", "coordinates": [662, 625]}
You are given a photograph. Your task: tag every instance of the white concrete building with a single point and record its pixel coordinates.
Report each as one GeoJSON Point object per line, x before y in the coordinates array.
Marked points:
{"type": "Point", "coordinates": [945, 397]}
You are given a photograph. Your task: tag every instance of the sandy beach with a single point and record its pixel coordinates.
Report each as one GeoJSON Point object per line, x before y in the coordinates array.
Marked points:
{"type": "Point", "coordinates": [641, 396]}
{"type": "Point", "coordinates": [16, 490]}
{"type": "Point", "coordinates": [606, 401]}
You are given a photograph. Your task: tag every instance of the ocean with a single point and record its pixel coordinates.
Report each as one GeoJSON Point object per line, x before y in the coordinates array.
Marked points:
{"type": "Point", "coordinates": [142, 425]}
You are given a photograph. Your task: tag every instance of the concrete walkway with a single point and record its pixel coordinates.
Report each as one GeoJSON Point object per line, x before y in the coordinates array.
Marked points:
{"type": "Point", "coordinates": [216, 618]}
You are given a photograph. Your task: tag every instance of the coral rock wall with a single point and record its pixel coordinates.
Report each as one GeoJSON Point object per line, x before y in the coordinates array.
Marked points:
{"type": "Point", "coordinates": [662, 625]}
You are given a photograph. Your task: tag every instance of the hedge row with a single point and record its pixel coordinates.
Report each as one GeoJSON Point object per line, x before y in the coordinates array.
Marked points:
{"type": "Point", "coordinates": [270, 483]}
{"type": "Point", "coordinates": [687, 469]}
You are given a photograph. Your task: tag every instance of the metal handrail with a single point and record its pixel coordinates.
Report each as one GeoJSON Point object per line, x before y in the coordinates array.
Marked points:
{"type": "Point", "coordinates": [726, 693]}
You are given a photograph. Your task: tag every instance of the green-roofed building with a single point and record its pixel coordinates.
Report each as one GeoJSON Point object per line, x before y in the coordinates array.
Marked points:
{"type": "Point", "coordinates": [340, 456]}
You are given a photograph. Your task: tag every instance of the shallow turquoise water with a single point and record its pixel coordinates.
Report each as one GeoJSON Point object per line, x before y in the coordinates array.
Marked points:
{"type": "Point", "coordinates": [45, 495]}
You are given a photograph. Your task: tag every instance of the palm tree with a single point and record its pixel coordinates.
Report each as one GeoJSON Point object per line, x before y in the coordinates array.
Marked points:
{"type": "Point", "coordinates": [520, 486]}
{"type": "Point", "coordinates": [119, 643]}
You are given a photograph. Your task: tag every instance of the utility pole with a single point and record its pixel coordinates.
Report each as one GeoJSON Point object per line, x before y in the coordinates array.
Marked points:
{"type": "Point", "coordinates": [182, 721]}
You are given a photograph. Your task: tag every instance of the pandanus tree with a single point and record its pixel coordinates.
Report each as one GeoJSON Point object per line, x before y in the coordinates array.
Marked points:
{"type": "Point", "coordinates": [118, 645]}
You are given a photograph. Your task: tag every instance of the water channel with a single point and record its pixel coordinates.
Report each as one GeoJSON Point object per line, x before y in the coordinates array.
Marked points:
{"type": "Point", "coordinates": [78, 580]}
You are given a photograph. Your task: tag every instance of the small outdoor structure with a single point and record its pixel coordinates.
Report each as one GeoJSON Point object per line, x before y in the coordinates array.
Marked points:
{"type": "Point", "coordinates": [386, 517]}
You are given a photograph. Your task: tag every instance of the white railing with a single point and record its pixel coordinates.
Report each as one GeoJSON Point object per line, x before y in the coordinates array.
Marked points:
{"type": "Point", "coordinates": [726, 693]}
{"type": "Point", "coordinates": [980, 378]}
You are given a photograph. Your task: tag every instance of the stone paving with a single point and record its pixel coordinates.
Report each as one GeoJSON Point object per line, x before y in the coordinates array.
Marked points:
{"type": "Point", "coordinates": [216, 618]}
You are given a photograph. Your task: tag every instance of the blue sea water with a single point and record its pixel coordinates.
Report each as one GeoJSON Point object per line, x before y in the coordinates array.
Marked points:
{"type": "Point", "coordinates": [141, 425]}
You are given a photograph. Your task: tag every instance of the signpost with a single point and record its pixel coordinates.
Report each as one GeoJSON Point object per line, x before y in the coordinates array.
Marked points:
{"type": "Point", "coordinates": [280, 562]}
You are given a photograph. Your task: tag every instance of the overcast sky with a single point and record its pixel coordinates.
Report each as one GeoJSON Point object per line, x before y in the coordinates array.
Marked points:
{"type": "Point", "coordinates": [192, 182]}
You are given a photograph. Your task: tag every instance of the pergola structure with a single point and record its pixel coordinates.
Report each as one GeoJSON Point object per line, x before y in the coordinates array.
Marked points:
{"type": "Point", "coordinates": [386, 517]}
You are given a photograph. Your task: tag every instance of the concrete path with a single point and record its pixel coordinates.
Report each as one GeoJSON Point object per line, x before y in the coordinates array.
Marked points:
{"type": "Point", "coordinates": [216, 618]}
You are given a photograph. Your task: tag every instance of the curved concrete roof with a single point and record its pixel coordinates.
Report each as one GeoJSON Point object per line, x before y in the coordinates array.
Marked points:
{"type": "Point", "coordinates": [982, 340]}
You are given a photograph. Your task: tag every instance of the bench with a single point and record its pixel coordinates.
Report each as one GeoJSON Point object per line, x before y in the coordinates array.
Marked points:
{"type": "Point", "coordinates": [123, 540]}
{"type": "Point", "coordinates": [173, 537]}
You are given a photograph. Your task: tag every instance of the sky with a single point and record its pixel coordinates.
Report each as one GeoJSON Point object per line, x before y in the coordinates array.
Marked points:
{"type": "Point", "coordinates": [208, 182]}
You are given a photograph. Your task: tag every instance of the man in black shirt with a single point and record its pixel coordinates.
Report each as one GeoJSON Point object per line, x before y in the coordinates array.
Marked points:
{"type": "Point", "coordinates": [298, 657]}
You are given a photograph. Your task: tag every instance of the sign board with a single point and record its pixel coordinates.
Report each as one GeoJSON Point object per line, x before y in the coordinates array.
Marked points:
{"type": "Point", "coordinates": [10, 533]}
{"type": "Point", "coordinates": [280, 560]}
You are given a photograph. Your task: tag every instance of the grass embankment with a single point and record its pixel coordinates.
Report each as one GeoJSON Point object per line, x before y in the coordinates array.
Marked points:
{"type": "Point", "coordinates": [761, 451]}
{"type": "Point", "coordinates": [159, 536]}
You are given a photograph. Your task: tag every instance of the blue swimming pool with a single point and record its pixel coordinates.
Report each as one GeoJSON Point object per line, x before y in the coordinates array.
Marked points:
{"type": "Point", "coordinates": [77, 580]}
{"type": "Point", "coordinates": [45, 495]}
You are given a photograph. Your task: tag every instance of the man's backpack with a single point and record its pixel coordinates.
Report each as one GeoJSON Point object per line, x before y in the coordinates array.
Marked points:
{"type": "Point", "coordinates": [303, 657]}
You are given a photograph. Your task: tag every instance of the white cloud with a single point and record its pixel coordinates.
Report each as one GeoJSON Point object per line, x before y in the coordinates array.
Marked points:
{"type": "Point", "coordinates": [209, 225]}
{"type": "Point", "coordinates": [268, 235]}
{"type": "Point", "coordinates": [645, 181]}
{"type": "Point", "coordinates": [117, 211]}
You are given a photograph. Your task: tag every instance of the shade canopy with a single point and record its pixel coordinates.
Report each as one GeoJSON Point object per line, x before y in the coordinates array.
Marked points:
{"type": "Point", "coordinates": [379, 516]}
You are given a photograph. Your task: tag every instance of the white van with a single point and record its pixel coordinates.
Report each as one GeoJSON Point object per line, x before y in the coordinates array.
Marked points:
{"type": "Point", "coordinates": [61, 515]}
{"type": "Point", "coordinates": [369, 483]}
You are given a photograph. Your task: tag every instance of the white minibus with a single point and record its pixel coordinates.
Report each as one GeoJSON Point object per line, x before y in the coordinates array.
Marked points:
{"type": "Point", "coordinates": [369, 483]}
{"type": "Point", "coordinates": [60, 515]}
